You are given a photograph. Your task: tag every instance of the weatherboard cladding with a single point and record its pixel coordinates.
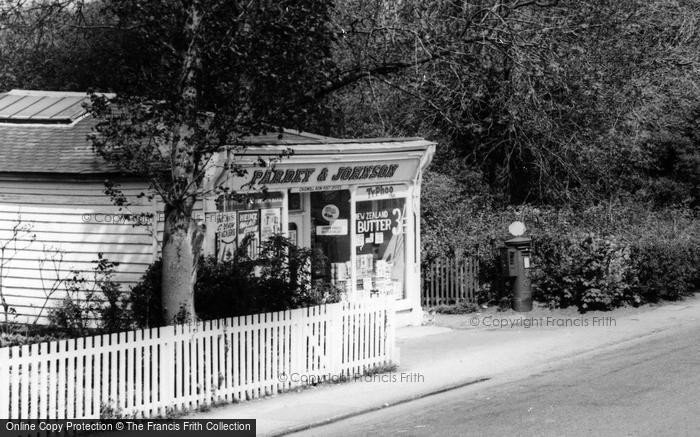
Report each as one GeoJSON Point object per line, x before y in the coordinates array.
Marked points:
{"type": "Point", "coordinates": [75, 218]}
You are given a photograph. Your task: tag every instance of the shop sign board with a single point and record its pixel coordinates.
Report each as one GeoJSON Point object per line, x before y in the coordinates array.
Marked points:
{"type": "Point", "coordinates": [310, 177]}
{"type": "Point", "coordinates": [336, 227]}
{"type": "Point", "coordinates": [330, 212]}
{"type": "Point", "coordinates": [381, 191]}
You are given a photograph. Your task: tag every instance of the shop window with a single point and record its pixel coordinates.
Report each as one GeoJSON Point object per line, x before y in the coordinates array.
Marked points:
{"type": "Point", "coordinates": [380, 242]}
{"type": "Point", "coordinates": [249, 231]}
{"type": "Point", "coordinates": [294, 202]}
{"type": "Point", "coordinates": [252, 219]}
{"type": "Point", "coordinates": [293, 234]}
{"type": "Point", "coordinates": [330, 236]}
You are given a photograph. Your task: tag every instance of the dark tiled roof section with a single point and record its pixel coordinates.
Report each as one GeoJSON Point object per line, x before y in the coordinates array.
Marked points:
{"type": "Point", "coordinates": [32, 148]}
{"type": "Point", "coordinates": [36, 148]}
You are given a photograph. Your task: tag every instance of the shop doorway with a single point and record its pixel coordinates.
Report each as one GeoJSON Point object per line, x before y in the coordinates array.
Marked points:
{"type": "Point", "coordinates": [298, 233]}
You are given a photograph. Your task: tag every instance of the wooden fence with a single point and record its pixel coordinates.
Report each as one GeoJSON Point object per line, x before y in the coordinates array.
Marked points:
{"type": "Point", "coordinates": [447, 281]}
{"type": "Point", "coordinates": [147, 372]}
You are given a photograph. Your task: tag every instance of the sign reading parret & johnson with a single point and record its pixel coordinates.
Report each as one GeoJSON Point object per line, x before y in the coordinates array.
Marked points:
{"type": "Point", "coordinates": [334, 174]}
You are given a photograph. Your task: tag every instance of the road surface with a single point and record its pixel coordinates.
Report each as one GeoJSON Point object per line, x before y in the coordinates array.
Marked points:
{"type": "Point", "coordinates": [650, 388]}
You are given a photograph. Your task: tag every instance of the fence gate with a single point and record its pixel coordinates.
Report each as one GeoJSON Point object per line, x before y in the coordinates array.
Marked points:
{"type": "Point", "coordinates": [447, 281]}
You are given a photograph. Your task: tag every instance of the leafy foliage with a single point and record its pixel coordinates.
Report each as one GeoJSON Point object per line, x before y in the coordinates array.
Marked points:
{"type": "Point", "coordinates": [575, 103]}
{"type": "Point", "coordinates": [145, 297]}
{"type": "Point", "coordinates": [586, 271]}
{"type": "Point", "coordinates": [279, 279]}
{"type": "Point", "coordinates": [90, 305]}
{"type": "Point", "coordinates": [459, 308]}
{"type": "Point", "coordinates": [600, 273]}
{"type": "Point", "coordinates": [191, 79]}
{"type": "Point", "coordinates": [664, 270]}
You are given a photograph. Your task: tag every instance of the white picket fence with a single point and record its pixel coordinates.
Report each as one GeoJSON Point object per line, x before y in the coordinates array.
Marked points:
{"type": "Point", "coordinates": [146, 372]}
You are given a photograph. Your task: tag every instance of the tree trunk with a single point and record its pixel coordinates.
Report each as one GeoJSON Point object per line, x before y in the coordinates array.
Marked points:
{"type": "Point", "coordinates": [182, 243]}
{"type": "Point", "coordinates": [182, 236]}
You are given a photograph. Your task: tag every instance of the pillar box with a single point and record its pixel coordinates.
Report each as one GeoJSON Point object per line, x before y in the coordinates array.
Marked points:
{"type": "Point", "coordinates": [515, 261]}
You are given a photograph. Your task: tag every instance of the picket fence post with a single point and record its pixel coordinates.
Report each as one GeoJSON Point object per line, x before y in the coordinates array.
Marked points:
{"type": "Point", "coordinates": [391, 348]}
{"type": "Point", "coordinates": [335, 338]}
{"type": "Point", "coordinates": [166, 336]}
{"type": "Point", "coordinates": [5, 383]}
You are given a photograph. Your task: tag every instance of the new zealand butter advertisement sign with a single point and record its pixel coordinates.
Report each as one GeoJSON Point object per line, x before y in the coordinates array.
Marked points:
{"type": "Point", "coordinates": [379, 239]}
{"type": "Point", "coordinates": [321, 177]}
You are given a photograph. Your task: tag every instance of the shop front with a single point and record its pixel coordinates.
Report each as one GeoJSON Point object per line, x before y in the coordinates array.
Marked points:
{"type": "Point", "coordinates": [356, 204]}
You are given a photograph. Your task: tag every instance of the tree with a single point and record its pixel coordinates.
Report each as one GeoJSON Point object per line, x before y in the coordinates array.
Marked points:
{"type": "Point", "coordinates": [205, 75]}
{"type": "Point", "coordinates": [475, 83]}
{"type": "Point", "coordinates": [575, 103]}
{"type": "Point", "coordinates": [194, 78]}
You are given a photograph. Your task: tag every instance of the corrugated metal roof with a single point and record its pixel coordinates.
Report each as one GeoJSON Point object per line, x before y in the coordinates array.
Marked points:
{"type": "Point", "coordinates": [52, 107]}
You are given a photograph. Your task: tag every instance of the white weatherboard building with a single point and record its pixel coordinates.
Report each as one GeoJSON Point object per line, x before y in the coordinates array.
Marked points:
{"type": "Point", "coordinates": [356, 202]}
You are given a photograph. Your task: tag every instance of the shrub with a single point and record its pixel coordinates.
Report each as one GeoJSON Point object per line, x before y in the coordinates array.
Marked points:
{"type": "Point", "coordinates": [27, 334]}
{"type": "Point", "coordinates": [587, 271]}
{"type": "Point", "coordinates": [75, 311]}
{"type": "Point", "coordinates": [461, 307]}
{"type": "Point", "coordinates": [112, 305]}
{"type": "Point", "coordinates": [97, 305]}
{"type": "Point", "coordinates": [664, 269]}
{"type": "Point", "coordinates": [601, 273]}
{"type": "Point", "coordinates": [279, 279]}
{"type": "Point", "coordinates": [145, 300]}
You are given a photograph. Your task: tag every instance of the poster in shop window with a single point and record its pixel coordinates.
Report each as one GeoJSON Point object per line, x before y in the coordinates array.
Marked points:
{"type": "Point", "coordinates": [225, 234]}
{"type": "Point", "coordinates": [380, 244]}
{"type": "Point", "coordinates": [249, 224]}
{"type": "Point", "coordinates": [270, 223]}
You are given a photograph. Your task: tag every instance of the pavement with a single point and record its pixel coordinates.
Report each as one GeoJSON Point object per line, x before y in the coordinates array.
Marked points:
{"type": "Point", "coordinates": [648, 387]}
{"type": "Point", "coordinates": [460, 350]}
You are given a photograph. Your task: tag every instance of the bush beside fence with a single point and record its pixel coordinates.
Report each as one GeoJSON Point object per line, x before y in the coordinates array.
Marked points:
{"type": "Point", "coordinates": [146, 373]}
{"type": "Point", "coordinates": [594, 272]}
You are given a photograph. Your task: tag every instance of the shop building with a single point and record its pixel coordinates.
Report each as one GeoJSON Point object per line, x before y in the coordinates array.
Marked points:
{"type": "Point", "coordinates": [355, 202]}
